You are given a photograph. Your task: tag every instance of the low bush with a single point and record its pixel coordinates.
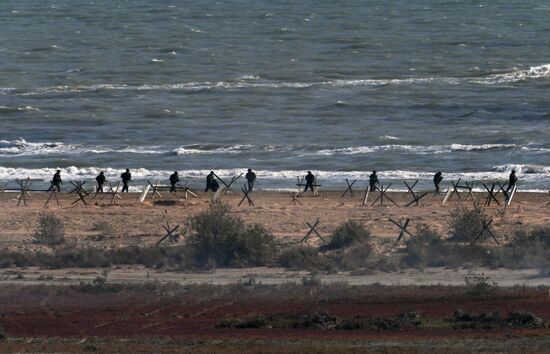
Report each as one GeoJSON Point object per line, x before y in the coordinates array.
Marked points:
{"type": "Point", "coordinates": [346, 234]}
{"type": "Point", "coordinates": [357, 256]}
{"type": "Point", "coordinates": [466, 225]}
{"type": "Point", "coordinates": [529, 248]}
{"type": "Point", "coordinates": [428, 248]}
{"type": "Point", "coordinates": [219, 238]}
{"type": "Point", "coordinates": [301, 257]}
{"type": "Point", "coordinates": [50, 230]}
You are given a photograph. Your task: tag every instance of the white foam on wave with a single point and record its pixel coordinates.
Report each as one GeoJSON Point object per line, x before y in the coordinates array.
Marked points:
{"type": "Point", "coordinates": [9, 109]}
{"type": "Point", "coordinates": [247, 81]}
{"type": "Point", "coordinates": [534, 72]}
{"type": "Point", "coordinates": [523, 168]}
{"type": "Point", "coordinates": [417, 149]}
{"type": "Point", "coordinates": [526, 172]}
{"type": "Point", "coordinates": [21, 147]}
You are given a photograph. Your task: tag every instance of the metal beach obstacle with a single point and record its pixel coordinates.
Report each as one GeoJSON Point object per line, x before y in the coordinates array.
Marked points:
{"type": "Point", "coordinates": [349, 189]}
{"type": "Point", "coordinates": [171, 234]}
{"type": "Point", "coordinates": [402, 225]}
{"type": "Point", "coordinates": [313, 230]}
{"type": "Point", "coordinates": [416, 197]}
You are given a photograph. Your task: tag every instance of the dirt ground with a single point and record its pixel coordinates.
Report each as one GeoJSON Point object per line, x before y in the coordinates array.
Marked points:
{"type": "Point", "coordinates": [165, 319]}
{"type": "Point", "coordinates": [100, 224]}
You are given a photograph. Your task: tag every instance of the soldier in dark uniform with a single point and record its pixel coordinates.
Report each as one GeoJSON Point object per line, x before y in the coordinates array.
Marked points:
{"type": "Point", "coordinates": [126, 177]}
{"type": "Point", "coordinates": [512, 180]}
{"type": "Point", "coordinates": [211, 183]}
{"type": "Point", "coordinates": [438, 177]}
{"type": "Point", "coordinates": [100, 179]}
{"type": "Point", "coordinates": [373, 181]}
{"type": "Point", "coordinates": [174, 178]}
{"type": "Point", "coordinates": [56, 181]}
{"type": "Point", "coordinates": [310, 180]}
{"type": "Point", "coordinates": [250, 178]}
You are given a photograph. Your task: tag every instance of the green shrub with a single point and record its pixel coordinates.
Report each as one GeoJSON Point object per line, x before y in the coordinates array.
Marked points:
{"type": "Point", "coordinates": [357, 256]}
{"type": "Point", "coordinates": [346, 234]}
{"type": "Point", "coordinates": [529, 248]}
{"type": "Point", "coordinates": [422, 248]}
{"type": "Point", "coordinates": [50, 230]}
{"type": "Point", "coordinates": [300, 257]}
{"type": "Point", "coordinates": [466, 225]}
{"type": "Point", "coordinates": [222, 239]}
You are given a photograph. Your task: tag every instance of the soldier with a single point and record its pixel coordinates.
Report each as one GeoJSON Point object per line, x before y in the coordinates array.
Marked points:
{"type": "Point", "coordinates": [310, 180]}
{"type": "Point", "coordinates": [512, 181]}
{"type": "Point", "coordinates": [211, 183]}
{"type": "Point", "coordinates": [373, 181]}
{"type": "Point", "coordinates": [174, 178]}
{"type": "Point", "coordinates": [56, 181]}
{"type": "Point", "coordinates": [438, 177]}
{"type": "Point", "coordinates": [251, 179]}
{"type": "Point", "coordinates": [100, 179]}
{"type": "Point", "coordinates": [126, 177]}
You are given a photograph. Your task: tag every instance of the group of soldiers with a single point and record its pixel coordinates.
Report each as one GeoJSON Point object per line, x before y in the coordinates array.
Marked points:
{"type": "Point", "coordinates": [213, 185]}
{"type": "Point", "coordinates": [126, 177]}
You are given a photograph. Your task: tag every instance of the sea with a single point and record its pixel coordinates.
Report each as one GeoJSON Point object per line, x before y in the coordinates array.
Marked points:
{"type": "Point", "coordinates": [340, 88]}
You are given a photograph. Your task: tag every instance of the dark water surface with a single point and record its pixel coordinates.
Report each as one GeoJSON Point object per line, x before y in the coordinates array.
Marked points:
{"type": "Point", "coordinates": [341, 88]}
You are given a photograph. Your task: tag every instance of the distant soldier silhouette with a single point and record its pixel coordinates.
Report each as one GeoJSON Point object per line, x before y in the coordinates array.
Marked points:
{"type": "Point", "coordinates": [251, 179]}
{"type": "Point", "coordinates": [100, 179]}
{"type": "Point", "coordinates": [438, 177]}
{"type": "Point", "coordinates": [373, 181]}
{"type": "Point", "coordinates": [310, 180]}
{"type": "Point", "coordinates": [126, 177]}
{"type": "Point", "coordinates": [211, 183]}
{"type": "Point", "coordinates": [56, 181]}
{"type": "Point", "coordinates": [512, 180]}
{"type": "Point", "coordinates": [174, 178]}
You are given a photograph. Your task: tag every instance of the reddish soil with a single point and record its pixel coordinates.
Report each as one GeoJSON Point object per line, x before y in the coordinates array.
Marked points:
{"type": "Point", "coordinates": [67, 312]}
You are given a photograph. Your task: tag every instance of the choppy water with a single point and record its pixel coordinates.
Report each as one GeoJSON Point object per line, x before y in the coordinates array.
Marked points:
{"type": "Point", "coordinates": [341, 88]}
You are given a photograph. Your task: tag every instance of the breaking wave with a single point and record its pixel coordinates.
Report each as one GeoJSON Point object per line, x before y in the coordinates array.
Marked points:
{"type": "Point", "coordinates": [248, 81]}
{"type": "Point", "coordinates": [526, 173]}
{"type": "Point", "coordinates": [21, 147]}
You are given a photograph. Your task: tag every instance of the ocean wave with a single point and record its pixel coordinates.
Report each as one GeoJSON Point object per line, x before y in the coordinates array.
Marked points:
{"type": "Point", "coordinates": [11, 109]}
{"type": "Point", "coordinates": [525, 172]}
{"type": "Point", "coordinates": [534, 72]}
{"type": "Point", "coordinates": [21, 147]}
{"type": "Point", "coordinates": [417, 149]}
{"type": "Point", "coordinates": [249, 81]}
{"type": "Point", "coordinates": [523, 168]}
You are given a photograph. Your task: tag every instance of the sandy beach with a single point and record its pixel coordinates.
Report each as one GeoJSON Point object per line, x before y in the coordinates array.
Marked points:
{"type": "Point", "coordinates": [133, 223]}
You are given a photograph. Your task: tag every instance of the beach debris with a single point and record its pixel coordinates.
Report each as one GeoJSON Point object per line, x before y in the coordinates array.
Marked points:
{"type": "Point", "coordinates": [171, 234]}
{"type": "Point", "coordinates": [402, 225]}
{"type": "Point", "coordinates": [383, 195]}
{"type": "Point", "coordinates": [416, 197]}
{"type": "Point", "coordinates": [312, 230]}
{"type": "Point", "coordinates": [351, 194]}
{"type": "Point", "coordinates": [246, 196]}
{"type": "Point", "coordinates": [294, 196]}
